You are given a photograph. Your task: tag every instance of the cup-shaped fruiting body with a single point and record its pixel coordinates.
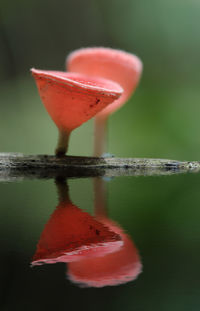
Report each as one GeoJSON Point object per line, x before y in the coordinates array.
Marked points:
{"type": "Point", "coordinates": [72, 99]}
{"type": "Point", "coordinates": [117, 65]}
{"type": "Point", "coordinates": [72, 234]}
{"type": "Point", "coordinates": [115, 268]}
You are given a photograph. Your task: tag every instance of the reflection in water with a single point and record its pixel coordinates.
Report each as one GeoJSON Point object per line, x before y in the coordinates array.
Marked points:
{"type": "Point", "coordinates": [115, 268]}
{"type": "Point", "coordinates": [71, 234]}
{"type": "Point", "coordinates": [97, 251]}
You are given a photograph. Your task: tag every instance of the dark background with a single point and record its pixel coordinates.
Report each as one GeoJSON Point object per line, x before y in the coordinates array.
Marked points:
{"type": "Point", "coordinates": [161, 214]}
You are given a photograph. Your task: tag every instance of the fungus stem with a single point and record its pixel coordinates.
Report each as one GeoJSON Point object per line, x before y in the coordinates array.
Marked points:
{"type": "Point", "coordinates": [63, 140]}
{"type": "Point", "coordinates": [100, 136]}
{"type": "Point", "coordinates": [62, 190]}
{"type": "Point", "coordinates": [100, 206]}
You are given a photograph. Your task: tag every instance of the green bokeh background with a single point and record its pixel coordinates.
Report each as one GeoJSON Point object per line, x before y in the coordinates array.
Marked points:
{"type": "Point", "coordinates": [160, 120]}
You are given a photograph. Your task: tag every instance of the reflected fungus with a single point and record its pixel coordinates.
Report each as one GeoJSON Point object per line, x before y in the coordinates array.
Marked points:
{"type": "Point", "coordinates": [72, 99]}
{"type": "Point", "coordinates": [72, 234]}
{"type": "Point", "coordinates": [116, 65]}
{"type": "Point", "coordinates": [115, 268]}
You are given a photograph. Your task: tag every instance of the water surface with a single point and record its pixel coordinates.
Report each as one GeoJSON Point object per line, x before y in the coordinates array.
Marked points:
{"type": "Point", "coordinates": [160, 215]}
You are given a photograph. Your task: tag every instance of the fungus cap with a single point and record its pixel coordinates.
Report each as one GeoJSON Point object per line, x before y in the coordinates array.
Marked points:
{"type": "Point", "coordinates": [71, 234]}
{"type": "Point", "coordinates": [116, 65]}
{"type": "Point", "coordinates": [115, 268]}
{"type": "Point", "coordinates": [71, 98]}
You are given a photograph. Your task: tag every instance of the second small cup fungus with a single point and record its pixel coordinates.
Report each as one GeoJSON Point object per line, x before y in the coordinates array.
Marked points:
{"type": "Point", "coordinates": [72, 99]}
{"type": "Point", "coordinates": [116, 65]}
{"type": "Point", "coordinates": [115, 268]}
{"type": "Point", "coordinates": [119, 267]}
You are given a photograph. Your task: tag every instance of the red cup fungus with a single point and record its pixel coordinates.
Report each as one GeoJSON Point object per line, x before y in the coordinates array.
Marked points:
{"type": "Point", "coordinates": [72, 234]}
{"type": "Point", "coordinates": [72, 99]}
{"type": "Point", "coordinates": [116, 268]}
{"type": "Point", "coordinates": [116, 65]}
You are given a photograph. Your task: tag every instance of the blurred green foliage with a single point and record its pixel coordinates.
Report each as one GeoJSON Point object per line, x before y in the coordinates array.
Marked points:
{"type": "Point", "coordinates": [161, 119]}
